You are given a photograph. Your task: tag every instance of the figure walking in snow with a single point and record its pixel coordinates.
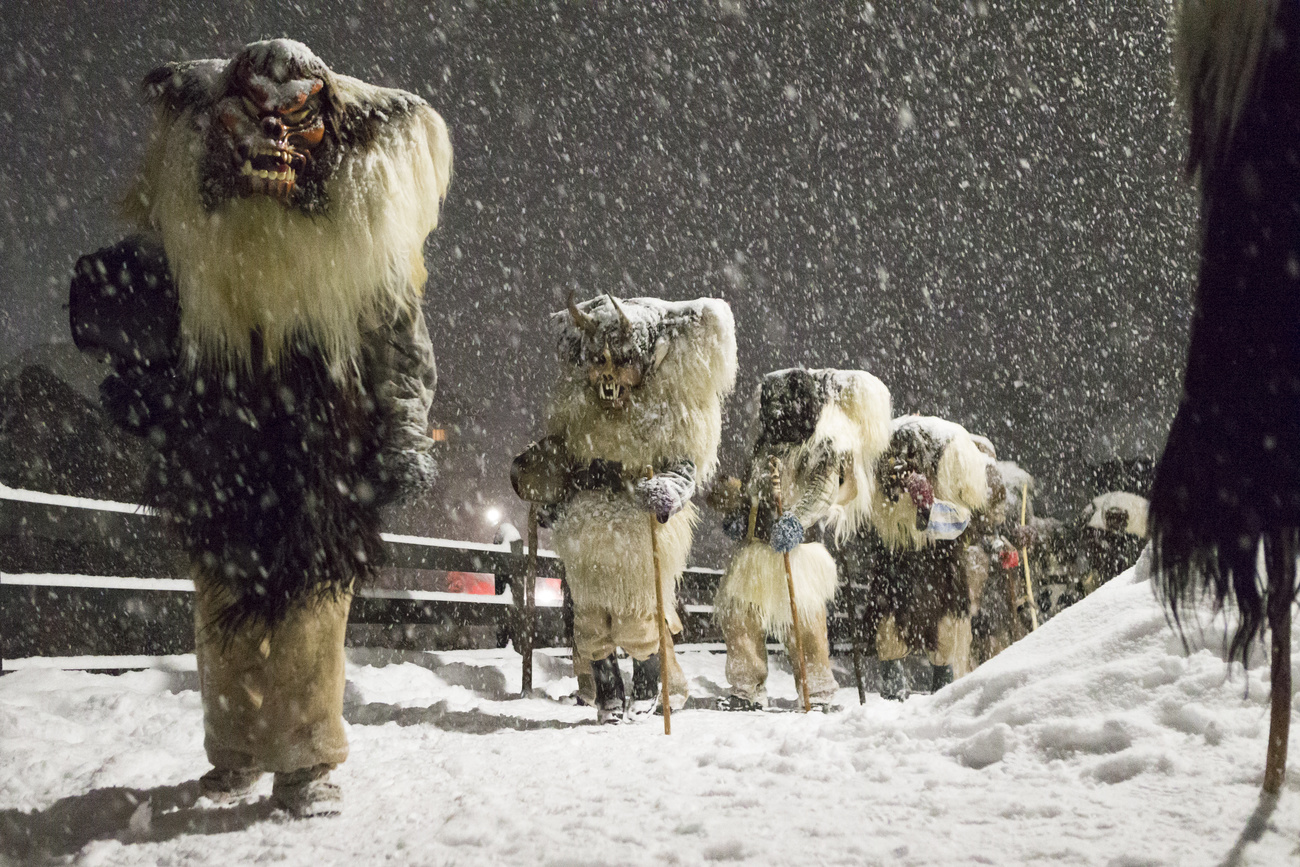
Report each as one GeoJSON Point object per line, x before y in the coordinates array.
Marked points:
{"type": "Point", "coordinates": [641, 386]}
{"type": "Point", "coordinates": [1229, 480]}
{"type": "Point", "coordinates": [915, 591]}
{"type": "Point", "coordinates": [266, 336]}
{"type": "Point", "coordinates": [826, 427]}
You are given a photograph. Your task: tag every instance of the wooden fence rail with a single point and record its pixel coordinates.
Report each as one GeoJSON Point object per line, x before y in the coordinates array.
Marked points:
{"type": "Point", "coordinates": [89, 578]}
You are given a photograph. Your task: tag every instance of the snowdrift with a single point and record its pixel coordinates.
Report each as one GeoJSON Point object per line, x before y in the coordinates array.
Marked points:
{"type": "Point", "coordinates": [1097, 740]}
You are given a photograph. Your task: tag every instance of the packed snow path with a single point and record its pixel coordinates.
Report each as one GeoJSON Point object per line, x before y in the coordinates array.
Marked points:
{"type": "Point", "coordinates": [1097, 740]}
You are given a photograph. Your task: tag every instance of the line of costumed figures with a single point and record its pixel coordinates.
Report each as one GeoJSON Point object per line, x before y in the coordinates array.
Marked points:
{"type": "Point", "coordinates": [263, 333]}
{"type": "Point", "coordinates": [912, 514]}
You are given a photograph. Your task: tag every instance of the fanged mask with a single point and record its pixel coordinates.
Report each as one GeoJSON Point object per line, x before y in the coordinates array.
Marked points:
{"type": "Point", "coordinates": [613, 379]}
{"type": "Point", "coordinates": [613, 382]}
{"type": "Point", "coordinates": [274, 127]}
{"type": "Point", "coordinates": [269, 125]}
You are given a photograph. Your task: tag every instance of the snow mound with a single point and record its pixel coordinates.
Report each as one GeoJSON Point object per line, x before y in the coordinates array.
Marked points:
{"type": "Point", "coordinates": [1097, 740]}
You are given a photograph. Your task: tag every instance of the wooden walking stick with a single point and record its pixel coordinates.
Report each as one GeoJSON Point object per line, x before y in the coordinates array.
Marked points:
{"type": "Point", "coordinates": [528, 617]}
{"type": "Point", "coordinates": [1280, 564]}
{"type": "Point", "coordinates": [663, 620]}
{"type": "Point", "coordinates": [775, 464]}
{"type": "Point", "coordinates": [1024, 557]}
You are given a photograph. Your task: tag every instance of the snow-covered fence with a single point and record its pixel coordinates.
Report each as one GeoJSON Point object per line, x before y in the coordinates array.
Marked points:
{"type": "Point", "coordinates": [86, 578]}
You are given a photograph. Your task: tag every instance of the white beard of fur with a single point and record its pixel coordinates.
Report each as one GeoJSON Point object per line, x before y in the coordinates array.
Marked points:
{"type": "Point", "coordinates": [962, 478]}
{"type": "Point", "coordinates": [1217, 45]}
{"type": "Point", "coordinates": [675, 413]}
{"type": "Point", "coordinates": [604, 540]}
{"type": "Point", "coordinates": [755, 581]}
{"type": "Point", "coordinates": [253, 263]}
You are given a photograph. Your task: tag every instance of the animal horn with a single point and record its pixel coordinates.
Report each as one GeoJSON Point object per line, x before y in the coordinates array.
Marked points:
{"type": "Point", "coordinates": [580, 319]}
{"type": "Point", "coordinates": [624, 322]}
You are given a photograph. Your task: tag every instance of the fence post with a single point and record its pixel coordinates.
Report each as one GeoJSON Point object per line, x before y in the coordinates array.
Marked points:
{"type": "Point", "coordinates": [520, 629]}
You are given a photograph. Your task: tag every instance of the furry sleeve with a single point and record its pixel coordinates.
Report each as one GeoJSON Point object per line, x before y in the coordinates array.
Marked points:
{"type": "Point", "coordinates": [819, 493]}
{"type": "Point", "coordinates": [400, 365]}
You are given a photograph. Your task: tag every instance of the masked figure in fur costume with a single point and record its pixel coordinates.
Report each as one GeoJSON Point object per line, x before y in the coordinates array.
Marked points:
{"type": "Point", "coordinates": [1229, 480]}
{"type": "Point", "coordinates": [641, 385]}
{"type": "Point", "coordinates": [911, 564]}
{"type": "Point", "coordinates": [994, 544]}
{"type": "Point", "coordinates": [826, 427]}
{"type": "Point", "coordinates": [266, 337]}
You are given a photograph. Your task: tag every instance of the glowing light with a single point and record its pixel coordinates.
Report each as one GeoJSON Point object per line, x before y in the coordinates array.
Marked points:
{"type": "Point", "coordinates": [493, 515]}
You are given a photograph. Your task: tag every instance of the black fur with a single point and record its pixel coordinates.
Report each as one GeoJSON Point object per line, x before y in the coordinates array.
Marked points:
{"type": "Point", "coordinates": [273, 477]}
{"type": "Point", "coordinates": [789, 404]}
{"type": "Point", "coordinates": [1230, 474]}
{"type": "Point", "coordinates": [123, 304]}
{"type": "Point", "coordinates": [917, 588]}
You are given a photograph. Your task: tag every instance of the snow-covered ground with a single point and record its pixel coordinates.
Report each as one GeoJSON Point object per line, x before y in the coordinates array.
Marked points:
{"type": "Point", "coordinates": [1097, 740]}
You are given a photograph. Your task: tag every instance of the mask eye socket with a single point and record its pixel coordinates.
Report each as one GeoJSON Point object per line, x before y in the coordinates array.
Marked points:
{"type": "Point", "coordinates": [299, 117]}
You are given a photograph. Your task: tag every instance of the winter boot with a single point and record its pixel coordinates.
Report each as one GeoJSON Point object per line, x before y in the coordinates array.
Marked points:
{"type": "Point", "coordinates": [227, 785]}
{"type": "Point", "coordinates": [307, 792]}
{"type": "Point", "coordinates": [609, 690]}
{"type": "Point", "coordinates": [940, 676]}
{"type": "Point", "coordinates": [893, 680]}
{"type": "Point", "coordinates": [735, 702]}
{"type": "Point", "coordinates": [645, 688]}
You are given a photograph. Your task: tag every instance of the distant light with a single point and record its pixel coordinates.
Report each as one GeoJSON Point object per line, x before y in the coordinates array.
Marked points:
{"type": "Point", "coordinates": [493, 515]}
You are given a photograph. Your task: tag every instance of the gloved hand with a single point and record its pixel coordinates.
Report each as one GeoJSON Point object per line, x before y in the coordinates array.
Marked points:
{"type": "Point", "coordinates": [735, 525]}
{"type": "Point", "coordinates": [662, 495]}
{"type": "Point", "coordinates": [1022, 537]}
{"type": "Point", "coordinates": [918, 488]}
{"type": "Point", "coordinates": [787, 533]}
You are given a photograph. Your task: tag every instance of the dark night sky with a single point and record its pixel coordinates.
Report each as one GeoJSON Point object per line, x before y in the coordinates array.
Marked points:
{"type": "Point", "coordinates": [978, 202]}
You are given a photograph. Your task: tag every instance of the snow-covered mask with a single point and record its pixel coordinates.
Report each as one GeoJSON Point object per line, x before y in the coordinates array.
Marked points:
{"type": "Point", "coordinates": [619, 343]}
{"type": "Point", "coordinates": [790, 403]}
{"type": "Point", "coordinates": [272, 122]}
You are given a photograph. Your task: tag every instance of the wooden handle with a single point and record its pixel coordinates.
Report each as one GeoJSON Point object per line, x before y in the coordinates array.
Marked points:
{"type": "Point", "coordinates": [663, 619]}
{"type": "Point", "coordinates": [1024, 558]}
{"type": "Point", "coordinates": [775, 464]}
{"type": "Point", "coordinates": [528, 619]}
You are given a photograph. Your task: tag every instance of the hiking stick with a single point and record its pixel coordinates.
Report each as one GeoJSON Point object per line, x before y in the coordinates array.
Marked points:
{"type": "Point", "coordinates": [1024, 556]}
{"type": "Point", "coordinates": [775, 464]}
{"type": "Point", "coordinates": [1280, 565]}
{"type": "Point", "coordinates": [663, 621]}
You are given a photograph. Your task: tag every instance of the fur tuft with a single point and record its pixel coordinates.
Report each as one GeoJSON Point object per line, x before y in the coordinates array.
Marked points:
{"type": "Point", "coordinates": [1217, 48]}
{"type": "Point", "coordinates": [865, 404]}
{"type": "Point", "coordinates": [604, 541]}
{"type": "Point", "coordinates": [1228, 483]}
{"type": "Point", "coordinates": [755, 581]}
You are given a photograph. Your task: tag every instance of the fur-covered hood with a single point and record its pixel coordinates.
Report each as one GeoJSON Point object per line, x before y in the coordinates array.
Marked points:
{"type": "Point", "coordinates": [688, 353]}
{"type": "Point", "coordinates": [945, 453]}
{"type": "Point", "coordinates": [246, 264]}
{"type": "Point", "coordinates": [804, 415]}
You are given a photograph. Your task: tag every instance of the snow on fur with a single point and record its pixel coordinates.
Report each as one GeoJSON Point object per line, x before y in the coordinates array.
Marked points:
{"type": "Point", "coordinates": [962, 478]}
